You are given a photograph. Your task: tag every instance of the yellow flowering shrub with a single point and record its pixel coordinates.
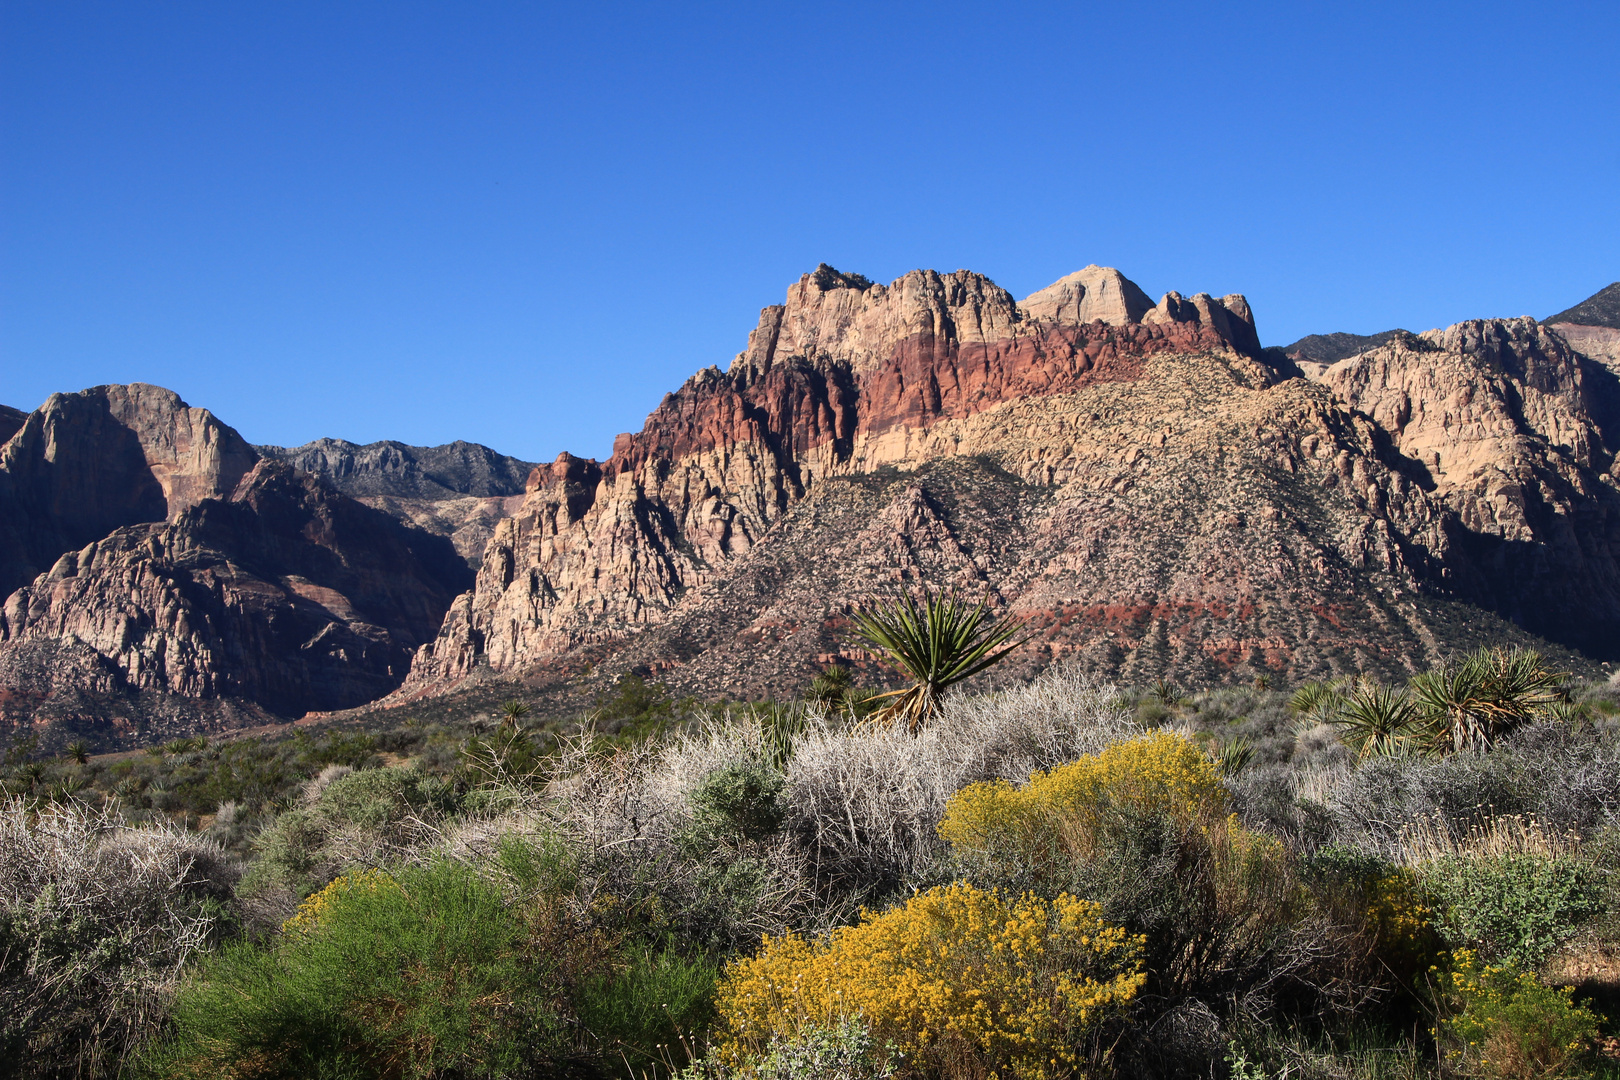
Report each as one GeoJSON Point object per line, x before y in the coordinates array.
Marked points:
{"type": "Point", "coordinates": [1064, 810]}
{"type": "Point", "coordinates": [965, 980]}
{"type": "Point", "coordinates": [1504, 1023]}
{"type": "Point", "coordinates": [314, 911]}
{"type": "Point", "coordinates": [1401, 922]}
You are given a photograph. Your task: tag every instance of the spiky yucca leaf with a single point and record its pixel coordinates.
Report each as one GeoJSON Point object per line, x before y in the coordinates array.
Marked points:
{"type": "Point", "coordinates": [1472, 701]}
{"type": "Point", "coordinates": [937, 643]}
{"type": "Point", "coordinates": [1380, 721]}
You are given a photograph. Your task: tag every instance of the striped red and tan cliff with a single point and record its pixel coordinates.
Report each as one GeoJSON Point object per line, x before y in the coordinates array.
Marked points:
{"type": "Point", "coordinates": [1163, 488]}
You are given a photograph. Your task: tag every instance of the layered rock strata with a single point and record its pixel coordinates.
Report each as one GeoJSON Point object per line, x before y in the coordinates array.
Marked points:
{"type": "Point", "coordinates": [1170, 502]}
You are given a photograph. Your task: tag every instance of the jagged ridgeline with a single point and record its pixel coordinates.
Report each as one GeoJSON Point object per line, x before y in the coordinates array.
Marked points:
{"type": "Point", "coordinates": [1153, 493]}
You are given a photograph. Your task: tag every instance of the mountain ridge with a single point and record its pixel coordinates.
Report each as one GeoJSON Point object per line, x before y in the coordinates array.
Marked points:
{"type": "Point", "coordinates": [1148, 489]}
{"type": "Point", "coordinates": [1602, 308]}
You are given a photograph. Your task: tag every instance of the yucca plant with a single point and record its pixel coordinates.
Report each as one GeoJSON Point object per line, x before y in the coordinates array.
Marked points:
{"type": "Point", "coordinates": [1380, 721]}
{"type": "Point", "coordinates": [1319, 701]}
{"type": "Point", "coordinates": [938, 642]}
{"type": "Point", "coordinates": [831, 687]}
{"type": "Point", "coordinates": [512, 712]}
{"type": "Point", "coordinates": [1471, 702]}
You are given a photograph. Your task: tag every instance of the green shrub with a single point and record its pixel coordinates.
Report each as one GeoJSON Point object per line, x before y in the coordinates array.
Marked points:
{"type": "Point", "coordinates": [1515, 907]}
{"type": "Point", "coordinates": [641, 1011]}
{"type": "Point", "coordinates": [1502, 1022]}
{"type": "Point", "coordinates": [739, 801]}
{"type": "Point", "coordinates": [360, 819]}
{"type": "Point", "coordinates": [430, 973]}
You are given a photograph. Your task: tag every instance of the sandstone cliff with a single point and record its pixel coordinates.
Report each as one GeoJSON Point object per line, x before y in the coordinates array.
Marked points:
{"type": "Point", "coordinates": [1133, 478]}
{"type": "Point", "coordinates": [459, 490]}
{"type": "Point", "coordinates": [176, 562]}
{"type": "Point", "coordinates": [84, 464]}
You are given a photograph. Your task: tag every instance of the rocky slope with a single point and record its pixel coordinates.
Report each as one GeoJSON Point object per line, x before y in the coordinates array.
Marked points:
{"type": "Point", "coordinates": [459, 490]}
{"type": "Point", "coordinates": [1135, 479]}
{"type": "Point", "coordinates": [1314, 353]}
{"type": "Point", "coordinates": [1592, 327]}
{"type": "Point", "coordinates": [150, 553]}
{"type": "Point", "coordinates": [1602, 308]}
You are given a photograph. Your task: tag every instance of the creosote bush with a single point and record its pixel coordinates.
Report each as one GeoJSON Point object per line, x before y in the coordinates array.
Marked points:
{"type": "Point", "coordinates": [430, 972]}
{"type": "Point", "coordinates": [960, 980]}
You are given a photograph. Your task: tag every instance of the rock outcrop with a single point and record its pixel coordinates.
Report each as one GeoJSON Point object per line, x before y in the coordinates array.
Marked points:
{"type": "Point", "coordinates": [459, 490]}
{"type": "Point", "coordinates": [11, 421]}
{"type": "Point", "coordinates": [1150, 491]}
{"type": "Point", "coordinates": [85, 464]}
{"type": "Point", "coordinates": [177, 562]}
{"type": "Point", "coordinates": [844, 378]}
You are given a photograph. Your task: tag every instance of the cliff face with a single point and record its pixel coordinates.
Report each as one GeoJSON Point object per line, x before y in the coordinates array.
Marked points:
{"type": "Point", "coordinates": [1136, 480]}
{"type": "Point", "coordinates": [176, 562]}
{"type": "Point", "coordinates": [287, 594]}
{"type": "Point", "coordinates": [1116, 431]}
{"type": "Point", "coordinates": [459, 490]}
{"type": "Point", "coordinates": [84, 464]}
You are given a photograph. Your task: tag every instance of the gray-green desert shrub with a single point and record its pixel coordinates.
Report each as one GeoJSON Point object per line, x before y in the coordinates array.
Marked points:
{"type": "Point", "coordinates": [96, 921]}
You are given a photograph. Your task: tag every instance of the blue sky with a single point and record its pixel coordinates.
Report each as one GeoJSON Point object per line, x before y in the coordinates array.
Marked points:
{"type": "Point", "coordinates": [522, 224]}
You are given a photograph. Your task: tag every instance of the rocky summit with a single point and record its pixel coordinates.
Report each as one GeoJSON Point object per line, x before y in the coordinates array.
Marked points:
{"type": "Point", "coordinates": [1150, 491]}
{"type": "Point", "coordinates": [1142, 484]}
{"type": "Point", "coordinates": [154, 558]}
{"type": "Point", "coordinates": [459, 490]}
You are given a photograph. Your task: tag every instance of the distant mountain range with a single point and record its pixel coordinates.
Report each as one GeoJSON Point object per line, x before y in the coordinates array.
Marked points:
{"type": "Point", "coordinates": [1149, 490]}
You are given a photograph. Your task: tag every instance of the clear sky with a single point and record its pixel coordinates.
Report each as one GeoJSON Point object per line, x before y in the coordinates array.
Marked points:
{"type": "Point", "coordinates": [522, 224]}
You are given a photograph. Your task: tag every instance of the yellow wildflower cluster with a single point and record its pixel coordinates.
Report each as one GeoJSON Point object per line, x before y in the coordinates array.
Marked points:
{"type": "Point", "coordinates": [313, 911]}
{"type": "Point", "coordinates": [1161, 772]}
{"type": "Point", "coordinates": [1400, 920]}
{"type": "Point", "coordinates": [957, 972]}
{"type": "Point", "coordinates": [1505, 1023]}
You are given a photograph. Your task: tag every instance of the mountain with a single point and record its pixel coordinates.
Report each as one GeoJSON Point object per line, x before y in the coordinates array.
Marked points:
{"type": "Point", "coordinates": [1592, 327]}
{"type": "Point", "coordinates": [11, 420]}
{"type": "Point", "coordinates": [458, 490]}
{"type": "Point", "coordinates": [1602, 308]}
{"type": "Point", "coordinates": [1314, 352]}
{"type": "Point", "coordinates": [1138, 481]}
{"type": "Point", "coordinates": [150, 553]}
{"type": "Point", "coordinates": [1148, 489]}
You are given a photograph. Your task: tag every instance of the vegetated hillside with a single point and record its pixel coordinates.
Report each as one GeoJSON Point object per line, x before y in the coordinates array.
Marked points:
{"type": "Point", "coordinates": [458, 490]}
{"type": "Point", "coordinates": [1331, 348]}
{"type": "Point", "coordinates": [1602, 308]}
{"type": "Point", "coordinates": [151, 555]}
{"type": "Point", "coordinates": [1137, 482]}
